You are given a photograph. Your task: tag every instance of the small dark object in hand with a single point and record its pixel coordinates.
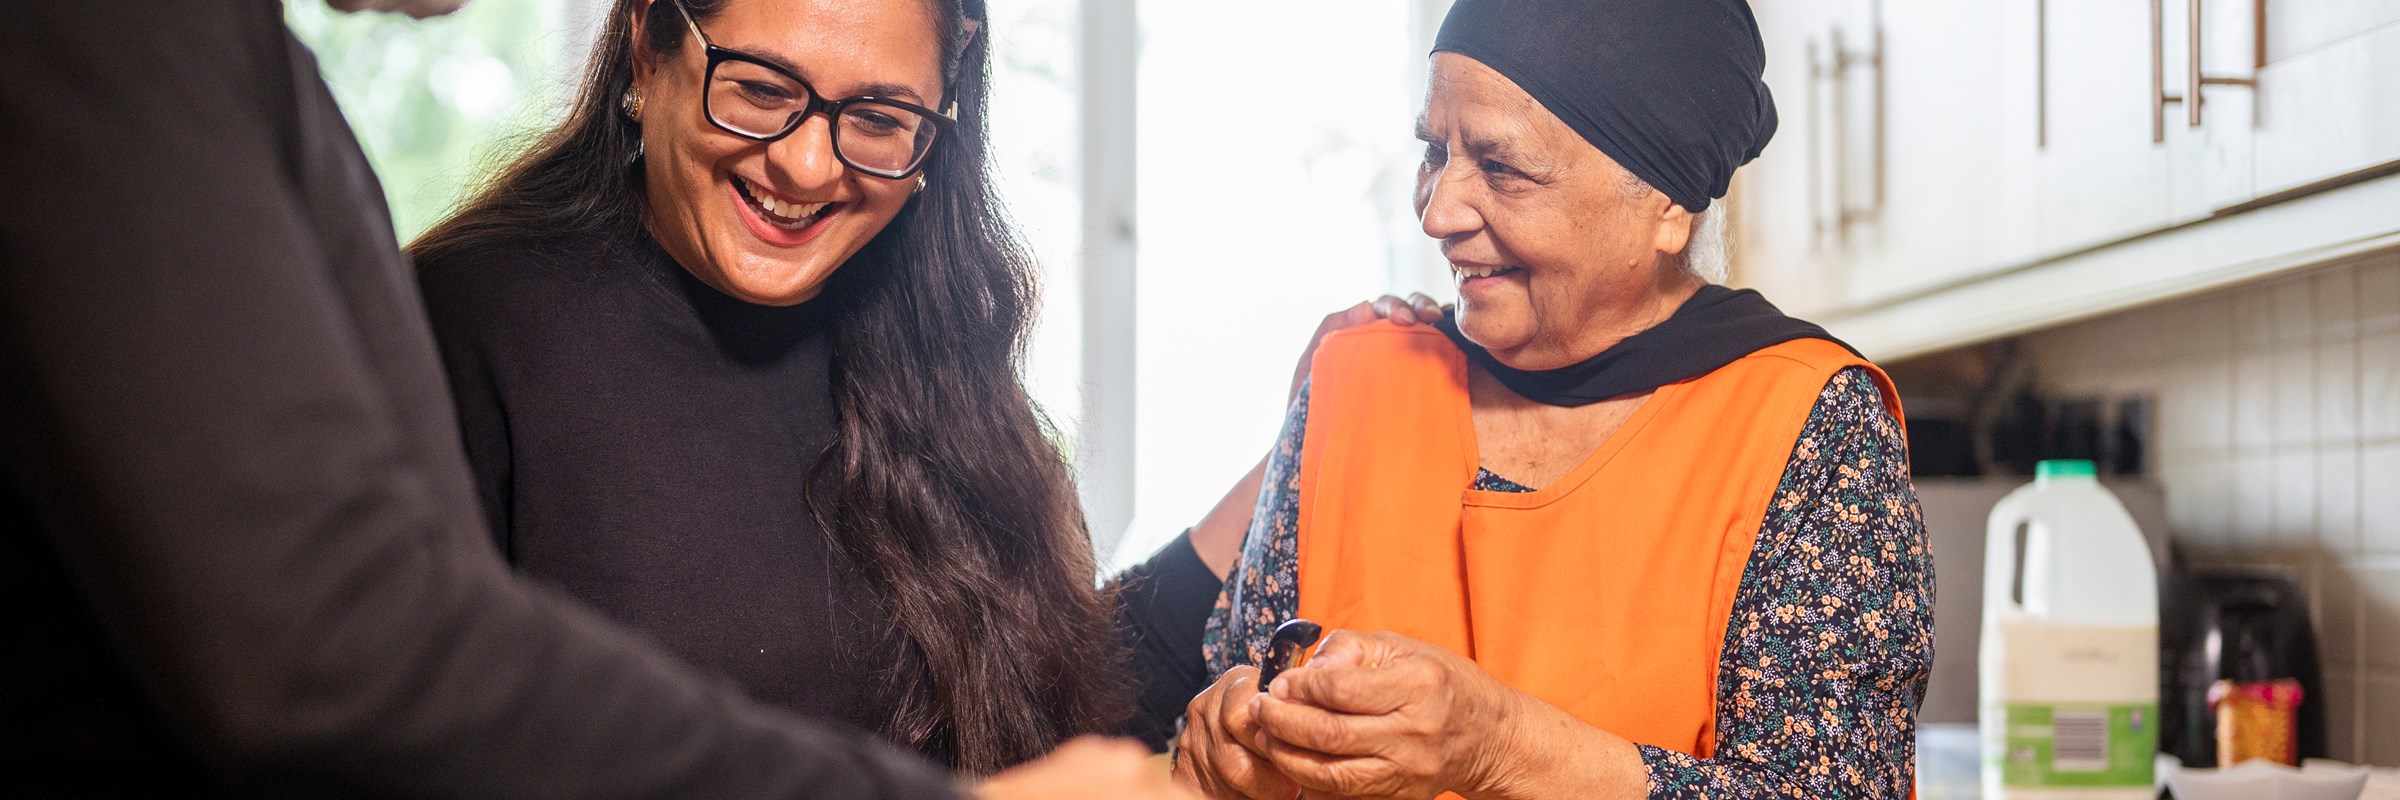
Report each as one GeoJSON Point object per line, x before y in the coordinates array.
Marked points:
{"type": "Point", "coordinates": [1288, 648]}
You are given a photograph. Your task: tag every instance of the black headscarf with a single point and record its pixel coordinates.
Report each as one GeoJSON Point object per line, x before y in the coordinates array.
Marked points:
{"type": "Point", "coordinates": [1671, 89]}
{"type": "Point", "coordinates": [1712, 329]}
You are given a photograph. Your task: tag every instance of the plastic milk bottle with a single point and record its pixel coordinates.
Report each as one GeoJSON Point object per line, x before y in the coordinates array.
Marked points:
{"type": "Point", "coordinates": [2070, 644]}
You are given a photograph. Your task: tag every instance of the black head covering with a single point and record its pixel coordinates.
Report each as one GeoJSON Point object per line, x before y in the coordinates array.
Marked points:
{"type": "Point", "coordinates": [1715, 327]}
{"type": "Point", "coordinates": [1671, 89]}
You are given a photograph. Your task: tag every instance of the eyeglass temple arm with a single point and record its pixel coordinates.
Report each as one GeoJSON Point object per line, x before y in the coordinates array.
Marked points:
{"type": "Point", "coordinates": [959, 67]}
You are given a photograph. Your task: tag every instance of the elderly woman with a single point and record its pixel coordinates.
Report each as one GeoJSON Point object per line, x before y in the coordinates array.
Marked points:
{"type": "Point", "coordinates": [1610, 531]}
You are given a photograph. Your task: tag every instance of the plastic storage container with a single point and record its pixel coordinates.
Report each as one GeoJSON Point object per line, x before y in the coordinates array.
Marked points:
{"type": "Point", "coordinates": [2069, 666]}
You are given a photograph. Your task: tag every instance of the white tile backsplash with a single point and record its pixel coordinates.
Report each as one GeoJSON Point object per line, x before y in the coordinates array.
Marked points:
{"type": "Point", "coordinates": [2337, 612]}
{"type": "Point", "coordinates": [2379, 297]}
{"type": "Point", "coordinates": [2378, 616]}
{"type": "Point", "coordinates": [2197, 417]}
{"type": "Point", "coordinates": [2296, 485]}
{"type": "Point", "coordinates": [2341, 734]}
{"type": "Point", "coordinates": [2338, 501]}
{"type": "Point", "coordinates": [2337, 389]}
{"type": "Point", "coordinates": [2379, 499]}
{"type": "Point", "coordinates": [2254, 422]}
{"type": "Point", "coordinates": [2336, 304]}
{"type": "Point", "coordinates": [2379, 385]}
{"type": "Point", "coordinates": [2253, 321]}
{"type": "Point", "coordinates": [2278, 440]}
{"type": "Point", "coordinates": [2295, 311]}
{"type": "Point", "coordinates": [2379, 709]}
{"type": "Point", "coordinates": [2254, 498]}
{"type": "Point", "coordinates": [2295, 369]}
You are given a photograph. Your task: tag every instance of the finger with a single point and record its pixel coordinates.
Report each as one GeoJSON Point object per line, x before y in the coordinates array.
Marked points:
{"type": "Point", "coordinates": [1360, 314]}
{"type": "Point", "coordinates": [1340, 647]}
{"type": "Point", "coordinates": [1239, 685]}
{"type": "Point", "coordinates": [1325, 773]}
{"type": "Point", "coordinates": [1226, 769]}
{"type": "Point", "coordinates": [1261, 781]}
{"type": "Point", "coordinates": [1428, 309]}
{"type": "Point", "coordinates": [1397, 310]}
{"type": "Point", "coordinates": [1233, 769]}
{"type": "Point", "coordinates": [1380, 686]}
{"type": "Point", "coordinates": [1312, 728]}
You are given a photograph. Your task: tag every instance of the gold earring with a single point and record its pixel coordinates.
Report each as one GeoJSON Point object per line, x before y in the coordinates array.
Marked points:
{"type": "Point", "coordinates": [920, 184]}
{"type": "Point", "coordinates": [633, 104]}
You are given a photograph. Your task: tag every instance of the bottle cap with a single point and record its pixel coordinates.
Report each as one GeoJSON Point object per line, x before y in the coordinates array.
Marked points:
{"type": "Point", "coordinates": [2065, 468]}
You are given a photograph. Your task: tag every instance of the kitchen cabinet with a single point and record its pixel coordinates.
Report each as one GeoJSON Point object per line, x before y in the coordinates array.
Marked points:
{"type": "Point", "coordinates": [2328, 99]}
{"type": "Point", "coordinates": [1969, 170]}
{"type": "Point", "coordinates": [1882, 181]}
{"type": "Point", "coordinates": [2099, 172]}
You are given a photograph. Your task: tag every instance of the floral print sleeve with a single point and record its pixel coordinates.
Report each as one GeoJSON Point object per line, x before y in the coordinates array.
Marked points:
{"type": "Point", "coordinates": [1827, 652]}
{"type": "Point", "coordinates": [1831, 639]}
{"type": "Point", "coordinates": [1264, 587]}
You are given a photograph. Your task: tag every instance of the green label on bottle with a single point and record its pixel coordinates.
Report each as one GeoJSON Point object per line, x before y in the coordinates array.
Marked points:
{"type": "Point", "coordinates": [2077, 745]}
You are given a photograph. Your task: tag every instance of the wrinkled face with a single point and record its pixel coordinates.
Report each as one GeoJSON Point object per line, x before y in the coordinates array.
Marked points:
{"type": "Point", "coordinates": [1557, 250]}
{"type": "Point", "coordinates": [769, 222]}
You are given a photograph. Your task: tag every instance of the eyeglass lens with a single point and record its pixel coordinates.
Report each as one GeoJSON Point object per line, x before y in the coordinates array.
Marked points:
{"type": "Point", "coordinates": [759, 102]}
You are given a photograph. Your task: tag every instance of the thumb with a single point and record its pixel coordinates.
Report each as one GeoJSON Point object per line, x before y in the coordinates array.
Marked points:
{"type": "Point", "coordinates": [1343, 648]}
{"type": "Point", "coordinates": [1344, 677]}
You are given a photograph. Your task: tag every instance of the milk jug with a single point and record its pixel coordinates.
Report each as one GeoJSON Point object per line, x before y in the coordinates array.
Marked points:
{"type": "Point", "coordinates": [2069, 665]}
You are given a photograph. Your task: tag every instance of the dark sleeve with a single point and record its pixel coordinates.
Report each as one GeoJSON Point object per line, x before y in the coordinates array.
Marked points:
{"type": "Point", "coordinates": [1162, 605]}
{"type": "Point", "coordinates": [465, 344]}
{"type": "Point", "coordinates": [188, 411]}
{"type": "Point", "coordinates": [1827, 651]}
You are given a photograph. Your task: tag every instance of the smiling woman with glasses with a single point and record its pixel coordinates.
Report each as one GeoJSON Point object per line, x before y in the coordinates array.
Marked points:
{"type": "Point", "coordinates": [754, 97]}
{"type": "Point", "coordinates": [735, 351]}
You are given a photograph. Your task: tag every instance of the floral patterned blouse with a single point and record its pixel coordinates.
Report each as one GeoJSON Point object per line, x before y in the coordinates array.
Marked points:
{"type": "Point", "coordinates": [1831, 639]}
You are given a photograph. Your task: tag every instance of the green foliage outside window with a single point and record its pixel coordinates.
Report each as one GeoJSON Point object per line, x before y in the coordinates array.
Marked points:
{"type": "Point", "coordinates": [437, 103]}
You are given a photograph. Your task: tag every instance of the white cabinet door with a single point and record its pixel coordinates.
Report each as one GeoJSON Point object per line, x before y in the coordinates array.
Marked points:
{"type": "Point", "coordinates": [1782, 204]}
{"type": "Point", "coordinates": [1939, 74]}
{"type": "Point", "coordinates": [2103, 173]}
{"type": "Point", "coordinates": [2213, 159]}
{"type": "Point", "coordinates": [2328, 99]}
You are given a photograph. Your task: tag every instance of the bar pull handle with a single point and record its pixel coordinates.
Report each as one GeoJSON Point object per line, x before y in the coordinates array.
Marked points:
{"type": "Point", "coordinates": [2158, 71]}
{"type": "Point", "coordinates": [2197, 80]}
{"type": "Point", "coordinates": [2041, 74]}
{"type": "Point", "coordinates": [1816, 155]}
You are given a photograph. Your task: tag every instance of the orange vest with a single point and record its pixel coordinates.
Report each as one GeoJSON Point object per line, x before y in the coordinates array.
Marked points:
{"type": "Point", "coordinates": [1606, 593]}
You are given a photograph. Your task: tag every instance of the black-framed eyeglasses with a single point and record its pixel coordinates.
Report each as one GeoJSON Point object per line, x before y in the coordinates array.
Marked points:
{"type": "Point", "coordinates": [756, 100]}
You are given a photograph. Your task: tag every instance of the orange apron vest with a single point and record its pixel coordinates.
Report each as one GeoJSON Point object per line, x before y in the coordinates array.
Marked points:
{"type": "Point", "coordinates": [1607, 593]}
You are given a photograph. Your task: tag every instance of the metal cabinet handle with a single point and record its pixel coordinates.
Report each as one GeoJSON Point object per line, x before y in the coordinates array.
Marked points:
{"type": "Point", "coordinates": [1816, 158]}
{"type": "Point", "coordinates": [1836, 67]}
{"type": "Point", "coordinates": [2158, 70]}
{"type": "Point", "coordinates": [2194, 79]}
{"type": "Point", "coordinates": [2197, 80]}
{"type": "Point", "coordinates": [2041, 74]}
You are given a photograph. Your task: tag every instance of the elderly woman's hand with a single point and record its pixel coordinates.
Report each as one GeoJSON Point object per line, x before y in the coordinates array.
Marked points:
{"type": "Point", "coordinates": [1383, 715]}
{"type": "Point", "coordinates": [1414, 309]}
{"type": "Point", "coordinates": [1219, 751]}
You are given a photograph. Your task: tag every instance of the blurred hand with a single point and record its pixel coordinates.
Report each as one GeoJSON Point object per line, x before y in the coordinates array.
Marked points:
{"type": "Point", "coordinates": [1383, 715]}
{"type": "Point", "coordinates": [1415, 309]}
{"type": "Point", "coordinates": [1087, 769]}
{"type": "Point", "coordinates": [1220, 751]}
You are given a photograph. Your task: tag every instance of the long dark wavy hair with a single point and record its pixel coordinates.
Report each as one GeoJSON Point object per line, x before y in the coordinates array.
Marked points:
{"type": "Point", "coordinates": [942, 482]}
